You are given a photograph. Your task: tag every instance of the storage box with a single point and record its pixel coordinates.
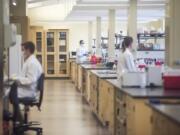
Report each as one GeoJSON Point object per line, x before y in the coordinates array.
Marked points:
{"type": "Point", "coordinates": [154, 76]}
{"type": "Point", "coordinates": [134, 79]}
{"type": "Point", "coordinates": [171, 82]}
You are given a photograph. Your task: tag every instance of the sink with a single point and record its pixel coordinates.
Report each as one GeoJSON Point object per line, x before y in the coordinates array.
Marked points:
{"type": "Point", "coordinates": [107, 72]}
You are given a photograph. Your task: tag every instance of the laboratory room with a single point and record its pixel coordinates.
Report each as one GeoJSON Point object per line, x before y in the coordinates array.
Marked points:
{"type": "Point", "coordinates": [89, 67]}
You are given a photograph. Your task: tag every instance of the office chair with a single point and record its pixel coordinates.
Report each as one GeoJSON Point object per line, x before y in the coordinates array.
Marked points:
{"type": "Point", "coordinates": [20, 126]}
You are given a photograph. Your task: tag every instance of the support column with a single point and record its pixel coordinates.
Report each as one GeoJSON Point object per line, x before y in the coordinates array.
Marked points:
{"type": "Point", "coordinates": [4, 19]}
{"type": "Point", "coordinates": [172, 33]}
{"type": "Point", "coordinates": [132, 22]}
{"type": "Point", "coordinates": [90, 35]}
{"type": "Point", "coordinates": [98, 36]}
{"type": "Point", "coordinates": [111, 35]}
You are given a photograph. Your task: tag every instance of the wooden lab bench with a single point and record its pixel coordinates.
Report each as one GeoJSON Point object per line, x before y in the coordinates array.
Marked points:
{"type": "Point", "coordinates": [98, 91]}
{"type": "Point", "coordinates": [86, 69]}
{"type": "Point", "coordinates": [165, 119]}
{"type": "Point", "coordinates": [133, 116]}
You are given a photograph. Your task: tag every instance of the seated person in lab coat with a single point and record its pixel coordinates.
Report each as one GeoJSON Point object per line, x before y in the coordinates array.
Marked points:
{"type": "Point", "coordinates": [27, 80]}
{"type": "Point", "coordinates": [82, 53]}
{"type": "Point", "coordinates": [126, 60]}
{"type": "Point", "coordinates": [31, 71]}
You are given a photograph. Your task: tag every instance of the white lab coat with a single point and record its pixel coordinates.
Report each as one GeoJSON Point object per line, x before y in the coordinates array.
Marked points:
{"type": "Point", "coordinates": [126, 63]}
{"type": "Point", "coordinates": [81, 54]}
{"type": "Point", "coordinates": [28, 78]}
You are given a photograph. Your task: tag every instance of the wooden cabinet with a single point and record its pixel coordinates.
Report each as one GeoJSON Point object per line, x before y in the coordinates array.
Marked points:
{"type": "Point", "coordinates": [73, 70]}
{"type": "Point", "coordinates": [138, 114]}
{"type": "Point", "coordinates": [76, 75]}
{"type": "Point", "coordinates": [120, 116]}
{"type": "Point", "coordinates": [56, 53]}
{"type": "Point", "coordinates": [80, 76]}
{"type": "Point", "coordinates": [87, 86]}
{"type": "Point", "coordinates": [161, 125]}
{"type": "Point", "coordinates": [52, 50]}
{"type": "Point", "coordinates": [84, 83]}
{"type": "Point", "coordinates": [94, 93]}
{"type": "Point", "coordinates": [37, 37]}
{"type": "Point", "coordinates": [106, 103]}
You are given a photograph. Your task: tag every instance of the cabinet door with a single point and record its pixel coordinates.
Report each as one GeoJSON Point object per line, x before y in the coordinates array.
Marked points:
{"type": "Point", "coordinates": [93, 95]}
{"type": "Point", "coordinates": [50, 57]}
{"type": "Point", "coordinates": [88, 86]}
{"type": "Point", "coordinates": [50, 42]}
{"type": "Point", "coordinates": [80, 78]}
{"type": "Point", "coordinates": [130, 116]}
{"type": "Point", "coordinates": [102, 101]}
{"type": "Point", "coordinates": [111, 108]}
{"type": "Point", "coordinates": [62, 51]}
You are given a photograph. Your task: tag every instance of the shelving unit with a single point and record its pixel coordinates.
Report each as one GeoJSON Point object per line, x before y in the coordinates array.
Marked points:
{"type": "Point", "coordinates": [56, 53]}
{"type": "Point", "coordinates": [151, 42]}
{"type": "Point", "coordinates": [37, 36]}
{"type": "Point", "coordinates": [151, 48]}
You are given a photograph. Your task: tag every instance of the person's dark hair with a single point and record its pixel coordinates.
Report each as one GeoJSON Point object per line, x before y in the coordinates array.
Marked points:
{"type": "Point", "coordinates": [29, 46]}
{"type": "Point", "coordinates": [81, 42]}
{"type": "Point", "coordinates": [126, 43]}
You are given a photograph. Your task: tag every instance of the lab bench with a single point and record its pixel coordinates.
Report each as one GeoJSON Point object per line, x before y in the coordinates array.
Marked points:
{"type": "Point", "coordinates": [165, 119]}
{"type": "Point", "coordinates": [86, 69]}
{"type": "Point", "coordinates": [72, 69]}
{"type": "Point", "coordinates": [122, 110]}
{"type": "Point", "coordinates": [132, 115]}
{"type": "Point", "coordinates": [78, 75]}
{"type": "Point", "coordinates": [102, 96]}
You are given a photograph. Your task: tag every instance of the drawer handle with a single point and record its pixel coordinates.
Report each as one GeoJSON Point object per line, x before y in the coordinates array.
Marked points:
{"type": "Point", "coordinates": [118, 111]}
{"type": "Point", "coordinates": [122, 104]}
{"type": "Point", "coordinates": [123, 122]}
{"type": "Point", "coordinates": [109, 90]}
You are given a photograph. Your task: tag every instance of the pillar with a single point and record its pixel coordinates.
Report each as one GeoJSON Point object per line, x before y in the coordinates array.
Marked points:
{"type": "Point", "coordinates": [4, 19]}
{"type": "Point", "coordinates": [172, 33]}
{"type": "Point", "coordinates": [132, 22]}
{"type": "Point", "coordinates": [111, 35]}
{"type": "Point", "coordinates": [98, 36]}
{"type": "Point", "coordinates": [90, 35]}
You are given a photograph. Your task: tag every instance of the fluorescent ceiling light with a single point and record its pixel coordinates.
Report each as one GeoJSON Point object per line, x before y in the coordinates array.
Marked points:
{"type": "Point", "coordinates": [14, 2]}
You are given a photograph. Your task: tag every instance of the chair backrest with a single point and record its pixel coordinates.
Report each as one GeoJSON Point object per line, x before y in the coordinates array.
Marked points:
{"type": "Point", "coordinates": [40, 88]}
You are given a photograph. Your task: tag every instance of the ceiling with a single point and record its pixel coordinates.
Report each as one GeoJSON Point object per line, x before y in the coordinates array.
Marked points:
{"type": "Point", "coordinates": [87, 10]}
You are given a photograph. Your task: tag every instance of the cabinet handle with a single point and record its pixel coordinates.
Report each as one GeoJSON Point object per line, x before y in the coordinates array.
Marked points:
{"type": "Point", "coordinates": [118, 111]}
{"type": "Point", "coordinates": [123, 104]}
{"type": "Point", "coordinates": [108, 90]}
{"type": "Point", "coordinates": [134, 108]}
{"type": "Point", "coordinates": [151, 120]}
{"type": "Point", "coordinates": [123, 122]}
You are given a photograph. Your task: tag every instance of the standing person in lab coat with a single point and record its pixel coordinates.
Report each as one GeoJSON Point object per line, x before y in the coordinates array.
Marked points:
{"type": "Point", "coordinates": [126, 62]}
{"type": "Point", "coordinates": [82, 53]}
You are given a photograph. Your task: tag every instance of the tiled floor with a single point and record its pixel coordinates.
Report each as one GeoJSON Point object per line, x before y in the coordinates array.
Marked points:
{"type": "Point", "coordinates": [64, 112]}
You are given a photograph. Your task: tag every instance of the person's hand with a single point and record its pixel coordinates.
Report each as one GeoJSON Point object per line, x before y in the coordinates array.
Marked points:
{"type": "Point", "coordinates": [13, 77]}
{"type": "Point", "coordinates": [18, 82]}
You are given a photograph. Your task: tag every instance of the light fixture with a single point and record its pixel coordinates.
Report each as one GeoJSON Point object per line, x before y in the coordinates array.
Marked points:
{"type": "Point", "coordinates": [14, 2]}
